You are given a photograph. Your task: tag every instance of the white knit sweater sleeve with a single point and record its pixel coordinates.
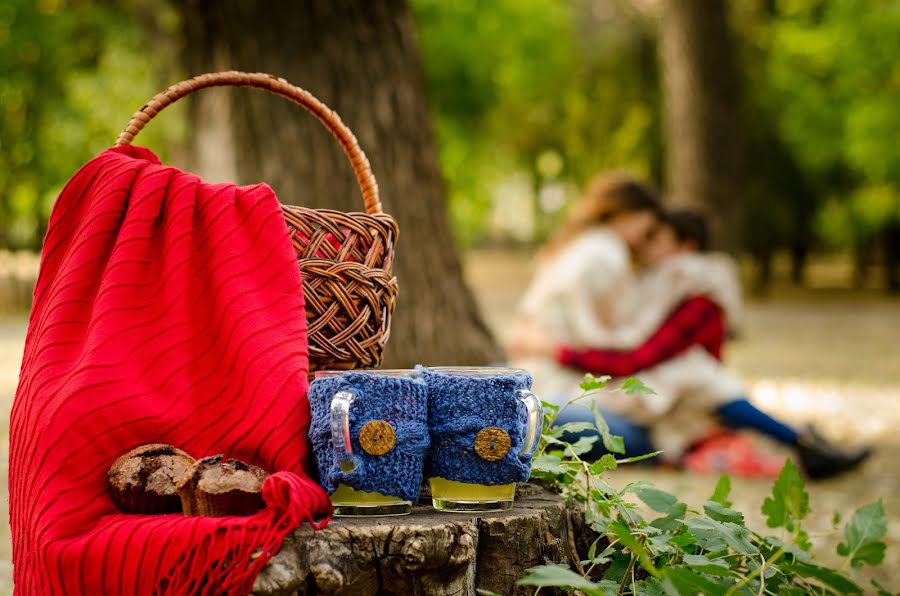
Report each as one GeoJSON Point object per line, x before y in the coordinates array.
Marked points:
{"type": "Point", "coordinates": [591, 272]}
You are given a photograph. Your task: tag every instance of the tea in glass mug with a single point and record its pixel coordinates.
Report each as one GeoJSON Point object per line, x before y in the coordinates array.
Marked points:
{"type": "Point", "coordinates": [369, 437]}
{"type": "Point", "coordinates": [448, 495]}
{"type": "Point", "coordinates": [485, 424]}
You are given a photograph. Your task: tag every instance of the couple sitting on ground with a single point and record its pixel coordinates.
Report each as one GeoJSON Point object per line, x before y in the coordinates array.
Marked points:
{"type": "Point", "coordinates": [587, 311]}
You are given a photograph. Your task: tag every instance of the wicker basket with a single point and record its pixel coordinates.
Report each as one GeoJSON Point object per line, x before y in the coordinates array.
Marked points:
{"type": "Point", "coordinates": [346, 259]}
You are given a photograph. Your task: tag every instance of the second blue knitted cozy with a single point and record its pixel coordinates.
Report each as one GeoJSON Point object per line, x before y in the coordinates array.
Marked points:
{"type": "Point", "coordinates": [400, 401]}
{"type": "Point", "coordinates": [459, 406]}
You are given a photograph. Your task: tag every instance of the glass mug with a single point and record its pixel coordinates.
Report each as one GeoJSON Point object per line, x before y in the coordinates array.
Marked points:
{"type": "Point", "coordinates": [485, 424]}
{"type": "Point", "coordinates": [370, 438]}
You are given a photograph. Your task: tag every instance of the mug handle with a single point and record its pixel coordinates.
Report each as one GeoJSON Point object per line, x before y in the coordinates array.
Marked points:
{"type": "Point", "coordinates": [535, 415]}
{"type": "Point", "coordinates": [340, 431]}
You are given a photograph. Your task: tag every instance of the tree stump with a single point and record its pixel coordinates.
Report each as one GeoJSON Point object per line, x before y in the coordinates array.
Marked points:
{"type": "Point", "coordinates": [428, 552]}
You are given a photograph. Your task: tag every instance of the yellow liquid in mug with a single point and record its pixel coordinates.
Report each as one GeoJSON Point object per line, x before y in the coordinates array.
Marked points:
{"type": "Point", "coordinates": [349, 502]}
{"type": "Point", "coordinates": [350, 496]}
{"type": "Point", "coordinates": [449, 495]}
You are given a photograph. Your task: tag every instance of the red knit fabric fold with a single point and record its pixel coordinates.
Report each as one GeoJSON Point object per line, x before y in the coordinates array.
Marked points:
{"type": "Point", "coordinates": [167, 310]}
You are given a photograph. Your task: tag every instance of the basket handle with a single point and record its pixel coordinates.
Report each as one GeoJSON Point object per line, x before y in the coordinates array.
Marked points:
{"type": "Point", "coordinates": [278, 86]}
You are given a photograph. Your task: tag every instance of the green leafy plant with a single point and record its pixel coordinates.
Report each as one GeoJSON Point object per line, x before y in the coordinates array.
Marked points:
{"type": "Point", "coordinates": [680, 551]}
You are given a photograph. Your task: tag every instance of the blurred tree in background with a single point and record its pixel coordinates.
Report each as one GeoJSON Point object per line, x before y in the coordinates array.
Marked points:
{"type": "Point", "coordinates": [362, 60]}
{"type": "Point", "coordinates": [702, 103]}
{"type": "Point", "coordinates": [825, 76]}
{"type": "Point", "coordinates": [530, 98]}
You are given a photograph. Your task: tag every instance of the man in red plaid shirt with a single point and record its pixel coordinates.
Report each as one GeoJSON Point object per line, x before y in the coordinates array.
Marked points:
{"type": "Point", "coordinates": [700, 322]}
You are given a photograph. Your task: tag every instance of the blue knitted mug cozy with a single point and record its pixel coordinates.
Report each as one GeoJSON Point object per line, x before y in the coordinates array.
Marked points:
{"type": "Point", "coordinates": [459, 407]}
{"type": "Point", "coordinates": [402, 402]}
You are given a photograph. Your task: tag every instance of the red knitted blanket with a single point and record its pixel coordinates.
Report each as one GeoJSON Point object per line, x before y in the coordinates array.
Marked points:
{"type": "Point", "coordinates": [167, 310]}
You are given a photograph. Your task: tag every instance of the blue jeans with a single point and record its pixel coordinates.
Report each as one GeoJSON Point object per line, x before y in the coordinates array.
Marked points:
{"type": "Point", "coordinates": [636, 437]}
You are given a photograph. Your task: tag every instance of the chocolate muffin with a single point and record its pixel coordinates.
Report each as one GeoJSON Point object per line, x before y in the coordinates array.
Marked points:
{"type": "Point", "coordinates": [144, 479]}
{"type": "Point", "coordinates": [218, 487]}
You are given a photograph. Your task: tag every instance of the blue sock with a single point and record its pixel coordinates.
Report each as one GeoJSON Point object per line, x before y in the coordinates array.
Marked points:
{"type": "Point", "coordinates": [740, 413]}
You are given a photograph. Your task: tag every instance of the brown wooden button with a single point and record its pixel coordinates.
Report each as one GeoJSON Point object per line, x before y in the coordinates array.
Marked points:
{"type": "Point", "coordinates": [492, 443]}
{"type": "Point", "coordinates": [377, 437]}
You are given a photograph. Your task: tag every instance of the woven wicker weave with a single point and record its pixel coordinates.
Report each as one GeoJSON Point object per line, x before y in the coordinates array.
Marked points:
{"type": "Point", "coordinates": [346, 259]}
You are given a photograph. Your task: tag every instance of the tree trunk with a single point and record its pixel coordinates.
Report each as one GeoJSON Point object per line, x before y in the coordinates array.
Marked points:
{"type": "Point", "coordinates": [701, 105]}
{"type": "Point", "coordinates": [892, 258]}
{"type": "Point", "coordinates": [799, 258]}
{"type": "Point", "coordinates": [861, 261]}
{"type": "Point", "coordinates": [763, 280]}
{"type": "Point", "coordinates": [360, 58]}
{"type": "Point", "coordinates": [430, 553]}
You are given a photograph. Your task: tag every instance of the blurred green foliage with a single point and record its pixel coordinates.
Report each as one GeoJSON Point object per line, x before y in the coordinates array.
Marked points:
{"type": "Point", "coordinates": [558, 90]}
{"type": "Point", "coordinates": [513, 80]}
{"type": "Point", "coordinates": [544, 93]}
{"type": "Point", "coordinates": [72, 73]}
{"type": "Point", "coordinates": [829, 76]}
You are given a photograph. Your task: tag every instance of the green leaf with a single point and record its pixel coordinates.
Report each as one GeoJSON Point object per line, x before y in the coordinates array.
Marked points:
{"type": "Point", "coordinates": [607, 462]}
{"type": "Point", "coordinates": [616, 570]}
{"type": "Point", "coordinates": [683, 540]}
{"type": "Point", "coordinates": [571, 427]}
{"type": "Point", "coordinates": [660, 544]}
{"type": "Point", "coordinates": [722, 491]}
{"type": "Point", "coordinates": [592, 551]}
{"type": "Point", "coordinates": [610, 588]}
{"type": "Point", "coordinates": [550, 464]}
{"type": "Point", "coordinates": [632, 542]}
{"type": "Point", "coordinates": [551, 440]}
{"type": "Point", "coordinates": [828, 577]}
{"type": "Point", "coordinates": [789, 502]}
{"type": "Point", "coordinates": [649, 587]}
{"type": "Point", "coordinates": [715, 536]}
{"type": "Point", "coordinates": [484, 592]}
{"type": "Point", "coordinates": [723, 514]}
{"type": "Point", "coordinates": [657, 500]}
{"type": "Point", "coordinates": [604, 557]}
{"type": "Point", "coordinates": [688, 583]}
{"type": "Point", "coordinates": [581, 446]}
{"type": "Point", "coordinates": [710, 566]}
{"type": "Point", "coordinates": [864, 532]}
{"type": "Point", "coordinates": [612, 443]}
{"type": "Point", "coordinates": [634, 386]}
{"type": "Point", "coordinates": [626, 538]}
{"type": "Point", "coordinates": [802, 540]}
{"type": "Point", "coordinates": [592, 383]}
{"type": "Point", "coordinates": [559, 576]}
{"type": "Point", "coordinates": [672, 520]}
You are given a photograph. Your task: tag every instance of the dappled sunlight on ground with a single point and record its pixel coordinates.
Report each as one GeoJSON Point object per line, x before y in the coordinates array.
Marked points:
{"type": "Point", "coordinates": [850, 413]}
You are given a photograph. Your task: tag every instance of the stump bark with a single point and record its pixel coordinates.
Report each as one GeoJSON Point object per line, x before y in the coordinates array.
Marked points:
{"type": "Point", "coordinates": [428, 552]}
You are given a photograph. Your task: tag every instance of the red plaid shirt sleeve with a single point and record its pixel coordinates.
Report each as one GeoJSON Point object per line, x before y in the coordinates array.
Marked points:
{"type": "Point", "coordinates": [696, 321]}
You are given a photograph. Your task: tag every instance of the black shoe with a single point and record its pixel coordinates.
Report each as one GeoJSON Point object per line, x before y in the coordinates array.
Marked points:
{"type": "Point", "coordinates": [821, 459]}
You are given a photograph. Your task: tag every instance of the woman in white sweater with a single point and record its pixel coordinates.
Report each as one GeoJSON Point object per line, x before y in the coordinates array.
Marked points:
{"type": "Point", "coordinates": [575, 295]}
